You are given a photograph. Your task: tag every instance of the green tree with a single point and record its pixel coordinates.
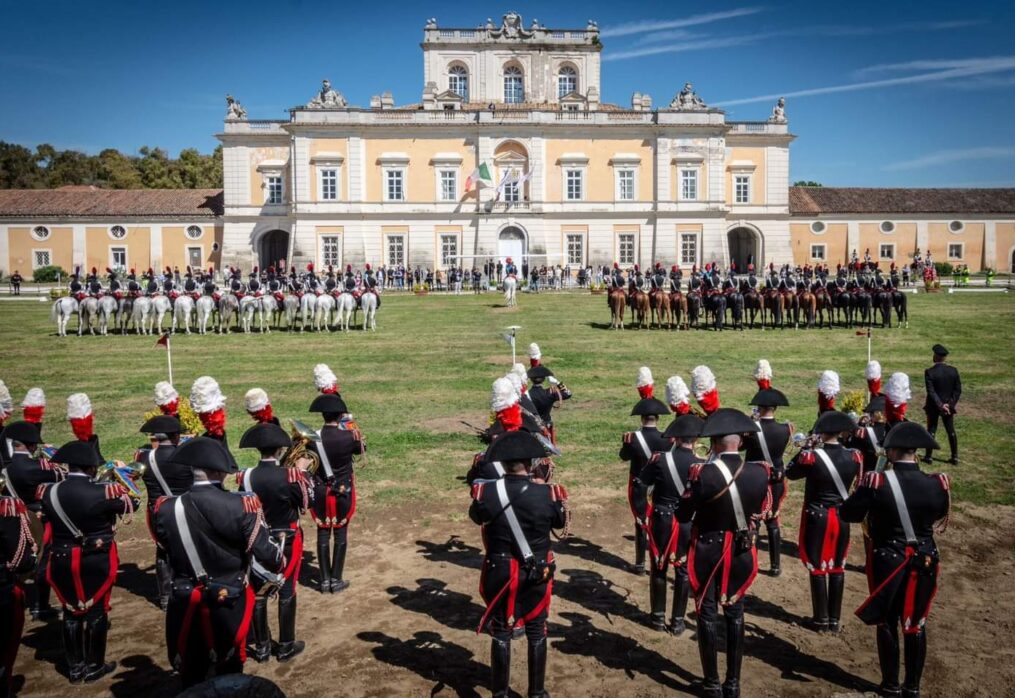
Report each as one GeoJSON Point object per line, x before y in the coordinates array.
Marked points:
{"type": "Point", "coordinates": [19, 167]}
{"type": "Point", "coordinates": [118, 171]}
{"type": "Point", "coordinates": [806, 183]}
{"type": "Point", "coordinates": [70, 167]}
{"type": "Point", "coordinates": [156, 170]}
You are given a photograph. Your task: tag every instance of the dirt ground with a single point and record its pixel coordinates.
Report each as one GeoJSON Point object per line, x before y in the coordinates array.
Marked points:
{"type": "Point", "coordinates": [406, 626]}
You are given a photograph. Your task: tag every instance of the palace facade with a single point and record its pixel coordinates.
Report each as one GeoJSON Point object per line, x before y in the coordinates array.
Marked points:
{"type": "Point", "coordinates": [564, 178]}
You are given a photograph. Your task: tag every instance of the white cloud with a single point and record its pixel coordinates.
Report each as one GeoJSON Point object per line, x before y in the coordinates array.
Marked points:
{"type": "Point", "coordinates": [653, 25]}
{"type": "Point", "coordinates": [702, 44]}
{"type": "Point", "coordinates": [944, 157]}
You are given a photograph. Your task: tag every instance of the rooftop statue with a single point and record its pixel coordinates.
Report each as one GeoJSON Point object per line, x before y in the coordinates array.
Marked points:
{"type": "Point", "coordinates": [234, 110]}
{"type": "Point", "coordinates": [688, 100]}
{"type": "Point", "coordinates": [327, 98]}
{"type": "Point", "coordinates": [778, 112]}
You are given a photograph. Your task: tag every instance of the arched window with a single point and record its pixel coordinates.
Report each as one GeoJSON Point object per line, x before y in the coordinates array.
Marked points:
{"type": "Point", "coordinates": [567, 81]}
{"type": "Point", "coordinates": [458, 81]}
{"type": "Point", "coordinates": [514, 85]}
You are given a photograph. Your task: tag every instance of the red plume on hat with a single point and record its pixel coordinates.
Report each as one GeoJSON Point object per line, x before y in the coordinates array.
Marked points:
{"type": "Point", "coordinates": [79, 414]}
{"type": "Point", "coordinates": [258, 405]}
{"type": "Point", "coordinates": [535, 355]}
{"type": "Point", "coordinates": [645, 384]}
{"type": "Point", "coordinates": [34, 405]}
{"type": "Point", "coordinates": [325, 379]}
{"type": "Point", "coordinates": [873, 375]}
{"type": "Point", "coordinates": [674, 268]}
{"type": "Point", "coordinates": [897, 395]}
{"type": "Point", "coordinates": [208, 401]}
{"type": "Point", "coordinates": [678, 396]}
{"type": "Point", "coordinates": [368, 267]}
{"type": "Point", "coordinates": [706, 392]}
{"type": "Point", "coordinates": [763, 374]}
{"type": "Point", "coordinates": [94, 270]}
{"type": "Point", "coordinates": [828, 388]}
{"type": "Point", "coordinates": [108, 270]}
{"type": "Point", "coordinates": [504, 402]}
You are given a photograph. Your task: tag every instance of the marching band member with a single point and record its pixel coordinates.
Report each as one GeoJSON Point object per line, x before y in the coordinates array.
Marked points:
{"type": "Point", "coordinates": [637, 447]}
{"type": "Point", "coordinates": [869, 434]}
{"type": "Point", "coordinates": [545, 399]}
{"type": "Point", "coordinates": [83, 559]}
{"type": "Point", "coordinates": [828, 389]}
{"type": "Point", "coordinates": [897, 395]}
{"type": "Point", "coordinates": [704, 387]}
{"type": "Point", "coordinates": [17, 560]}
{"type": "Point", "coordinates": [259, 406]}
{"type": "Point", "coordinates": [82, 421]}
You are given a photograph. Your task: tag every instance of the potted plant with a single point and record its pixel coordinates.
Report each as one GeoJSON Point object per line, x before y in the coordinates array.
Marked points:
{"type": "Point", "coordinates": [597, 289]}
{"type": "Point", "coordinates": [420, 290]}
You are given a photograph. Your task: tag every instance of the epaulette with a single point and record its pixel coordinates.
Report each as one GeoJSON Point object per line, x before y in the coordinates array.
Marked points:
{"type": "Point", "coordinates": [11, 507]}
{"type": "Point", "coordinates": [159, 502]}
{"type": "Point", "coordinates": [655, 457]}
{"type": "Point", "coordinates": [40, 491]}
{"type": "Point", "coordinates": [873, 480]}
{"type": "Point", "coordinates": [694, 474]}
{"type": "Point", "coordinates": [294, 475]}
{"type": "Point", "coordinates": [477, 491]}
{"type": "Point", "coordinates": [628, 435]}
{"type": "Point", "coordinates": [115, 490]}
{"type": "Point", "coordinates": [558, 493]}
{"type": "Point", "coordinates": [857, 456]}
{"type": "Point", "coordinates": [946, 483]}
{"type": "Point", "coordinates": [239, 479]}
{"type": "Point", "coordinates": [251, 502]}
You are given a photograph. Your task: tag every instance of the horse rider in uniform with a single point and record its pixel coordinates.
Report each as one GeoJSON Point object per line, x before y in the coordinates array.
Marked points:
{"type": "Point", "coordinates": [311, 280]}
{"type": "Point", "coordinates": [901, 506]}
{"type": "Point", "coordinates": [666, 474]}
{"type": "Point", "coordinates": [676, 278]}
{"type": "Point", "coordinates": [208, 287]}
{"type": "Point", "coordinates": [162, 478]}
{"type": "Point", "coordinates": [75, 287]}
{"type": "Point", "coordinates": [151, 286]}
{"type": "Point", "coordinates": [94, 284]}
{"type": "Point", "coordinates": [169, 285]}
{"type": "Point", "coordinates": [727, 498]}
{"type": "Point", "coordinates": [944, 388]}
{"type": "Point", "coordinates": [17, 559]}
{"type": "Point", "coordinates": [330, 284]}
{"type": "Point", "coordinates": [83, 559]}
{"type": "Point", "coordinates": [545, 399]}
{"type": "Point", "coordinates": [211, 536]}
{"type": "Point", "coordinates": [285, 493]}
{"type": "Point", "coordinates": [236, 286]}
{"type": "Point", "coordinates": [254, 283]}
{"type": "Point", "coordinates": [370, 284]}
{"type": "Point", "coordinates": [189, 284]}
{"type": "Point", "coordinates": [830, 469]}
{"type": "Point", "coordinates": [133, 287]}
{"type": "Point", "coordinates": [274, 284]}
{"type": "Point", "coordinates": [517, 515]}
{"type": "Point", "coordinates": [615, 282]}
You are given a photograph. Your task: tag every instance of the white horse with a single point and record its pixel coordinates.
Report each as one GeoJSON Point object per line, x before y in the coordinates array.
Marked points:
{"type": "Point", "coordinates": [108, 308]}
{"type": "Point", "coordinates": [290, 311]}
{"type": "Point", "coordinates": [126, 313]}
{"type": "Point", "coordinates": [308, 309]}
{"type": "Point", "coordinates": [267, 306]}
{"type": "Point", "coordinates": [182, 310]}
{"type": "Point", "coordinates": [369, 301]}
{"type": "Point", "coordinates": [142, 315]}
{"type": "Point", "coordinates": [510, 291]}
{"type": "Point", "coordinates": [205, 309]}
{"type": "Point", "coordinates": [325, 307]}
{"type": "Point", "coordinates": [346, 309]}
{"type": "Point", "coordinates": [229, 307]}
{"type": "Point", "coordinates": [88, 314]}
{"type": "Point", "coordinates": [63, 308]}
{"type": "Point", "coordinates": [248, 306]}
{"type": "Point", "coordinates": [160, 306]}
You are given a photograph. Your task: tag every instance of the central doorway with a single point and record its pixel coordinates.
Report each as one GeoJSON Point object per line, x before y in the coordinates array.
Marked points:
{"type": "Point", "coordinates": [511, 243]}
{"type": "Point", "coordinates": [743, 247]}
{"type": "Point", "coordinates": [273, 249]}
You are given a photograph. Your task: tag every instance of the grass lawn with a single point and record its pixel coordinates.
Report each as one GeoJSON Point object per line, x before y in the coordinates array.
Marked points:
{"type": "Point", "coordinates": [431, 362]}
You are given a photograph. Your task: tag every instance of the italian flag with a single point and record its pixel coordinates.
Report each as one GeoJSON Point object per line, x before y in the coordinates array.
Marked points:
{"type": "Point", "coordinates": [479, 177]}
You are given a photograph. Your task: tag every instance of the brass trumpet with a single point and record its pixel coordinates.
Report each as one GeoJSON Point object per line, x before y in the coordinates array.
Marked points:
{"type": "Point", "coordinates": [302, 435]}
{"type": "Point", "coordinates": [123, 474]}
{"type": "Point", "coordinates": [804, 442]}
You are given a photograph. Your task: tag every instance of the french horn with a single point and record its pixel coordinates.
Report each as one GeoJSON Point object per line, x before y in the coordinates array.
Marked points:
{"type": "Point", "coordinates": [302, 435]}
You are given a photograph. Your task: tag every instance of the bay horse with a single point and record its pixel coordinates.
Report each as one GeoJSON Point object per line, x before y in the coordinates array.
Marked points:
{"type": "Point", "coordinates": [640, 309]}
{"type": "Point", "coordinates": [659, 302]}
{"type": "Point", "coordinates": [823, 302]}
{"type": "Point", "coordinates": [901, 305]}
{"type": "Point", "coordinates": [693, 308]}
{"type": "Point", "coordinates": [774, 305]}
{"type": "Point", "coordinates": [808, 306]}
{"type": "Point", "coordinates": [791, 307]}
{"type": "Point", "coordinates": [754, 305]}
{"type": "Point", "coordinates": [618, 301]}
{"type": "Point", "coordinates": [715, 306]}
{"type": "Point", "coordinates": [735, 302]}
{"type": "Point", "coordinates": [678, 308]}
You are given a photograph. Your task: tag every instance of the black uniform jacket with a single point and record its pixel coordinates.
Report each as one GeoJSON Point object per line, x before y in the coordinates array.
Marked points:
{"type": "Point", "coordinates": [544, 399]}
{"type": "Point", "coordinates": [91, 506]}
{"type": "Point", "coordinates": [820, 488]}
{"type": "Point", "coordinates": [179, 478]}
{"type": "Point", "coordinates": [657, 474]}
{"type": "Point", "coordinates": [777, 436]}
{"type": "Point", "coordinates": [539, 509]}
{"type": "Point", "coordinates": [943, 387]}
{"type": "Point", "coordinates": [284, 492]}
{"type": "Point", "coordinates": [861, 441]}
{"type": "Point", "coordinates": [25, 475]}
{"type": "Point", "coordinates": [632, 450]}
{"type": "Point", "coordinates": [340, 445]}
{"type": "Point", "coordinates": [926, 496]}
{"type": "Point", "coordinates": [228, 529]}
{"type": "Point", "coordinates": [16, 556]}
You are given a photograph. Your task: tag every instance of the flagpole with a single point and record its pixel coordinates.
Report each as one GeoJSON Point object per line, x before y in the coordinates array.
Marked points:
{"type": "Point", "coordinates": [169, 358]}
{"type": "Point", "coordinates": [513, 347]}
{"type": "Point", "coordinates": [868, 345]}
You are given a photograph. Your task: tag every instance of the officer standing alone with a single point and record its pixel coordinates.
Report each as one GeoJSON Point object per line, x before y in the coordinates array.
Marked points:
{"type": "Point", "coordinates": [944, 388]}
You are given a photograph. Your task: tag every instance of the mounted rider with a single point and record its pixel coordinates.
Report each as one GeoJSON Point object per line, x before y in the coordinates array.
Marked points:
{"type": "Point", "coordinates": [235, 283]}
{"type": "Point", "coordinates": [114, 284]}
{"type": "Point", "coordinates": [76, 288]}
{"type": "Point", "coordinates": [330, 283]}
{"type": "Point", "coordinates": [254, 283]}
{"type": "Point", "coordinates": [209, 288]}
{"type": "Point", "coordinates": [274, 285]}
{"type": "Point", "coordinates": [190, 285]}
{"type": "Point", "coordinates": [312, 283]}
{"type": "Point", "coordinates": [151, 286]}
{"type": "Point", "coordinates": [752, 278]}
{"type": "Point", "coordinates": [133, 287]}
{"type": "Point", "coordinates": [676, 278]}
{"type": "Point", "coordinates": [370, 284]}
{"type": "Point", "coordinates": [94, 285]}
{"type": "Point", "coordinates": [169, 285]}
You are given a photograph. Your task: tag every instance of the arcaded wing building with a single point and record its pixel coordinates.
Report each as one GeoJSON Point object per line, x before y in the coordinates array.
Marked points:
{"type": "Point", "coordinates": [509, 151]}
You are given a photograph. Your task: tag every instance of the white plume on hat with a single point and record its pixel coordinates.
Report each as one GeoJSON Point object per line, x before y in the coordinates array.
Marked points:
{"type": "Point", "coordinates": [873, 370]}
{"type": "Point", "coordinates": [324, 377]}
{"type": "Point", "coordinates": [78, 406]}
{"type": "Point", "coordinates": [676, 391]}
{"type": "Point", "coordinates": [897, 389]}
{"type": "Point", "coordinates": [534, 352]}
{"type": "Point", "coordinates": [503, 396]}
{"type": "Point", "coordinates": [523, 375]}
{"type": "Point", "coordinates": [206, 396]}
{"type": "Point", "coordinates": [702, 380]}
{"type": "Point", "coordinates": [828, 384]}
{"type": "Point", "coordinates": [165, 393]}
{"type": "Point", "coordinates": [35, 397]}
{"type": "Point", "coordinates": [255, 400]}
{"type": "Point", "coordinates": [763, 370]}
{"type": "Point", "coordinates": [6, 401]}
{"type": "Point", "coordinates": [644, 377]}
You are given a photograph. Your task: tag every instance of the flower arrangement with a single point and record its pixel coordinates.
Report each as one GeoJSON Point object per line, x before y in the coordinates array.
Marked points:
{"type": "Point", "coordinates": [853, 401]}
{"type": "Point", "coordinates": [189, 420]}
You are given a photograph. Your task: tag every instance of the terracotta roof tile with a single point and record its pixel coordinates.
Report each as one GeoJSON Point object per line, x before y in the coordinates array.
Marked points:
{"type": "Point", "coordinates": [116, 203]}
{"type": "Point", "coordinates": [811, 201]}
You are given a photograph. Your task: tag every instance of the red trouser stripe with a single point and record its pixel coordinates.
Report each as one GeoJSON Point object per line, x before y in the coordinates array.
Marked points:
{"type": "Point", "coordinates": [240, 641]}
{"type": "Point", "coordinates": [886, 580]}
{"type": "Point", "coordinates": [75, 571]}
{"type": "Point", "coordinates": [831, 540]}
{"type": "Point", "coordinates": [296, 558]}
{"type": "Point", "coordinates": [908, 605]}
{"type": "Point", "coordinates": [188, 619]}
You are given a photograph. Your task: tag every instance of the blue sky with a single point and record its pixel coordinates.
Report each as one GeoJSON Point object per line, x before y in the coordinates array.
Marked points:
{"type": "Point", "coordinates": [879, 93]}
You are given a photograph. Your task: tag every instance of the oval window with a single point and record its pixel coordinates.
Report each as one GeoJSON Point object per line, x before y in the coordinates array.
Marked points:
{"type": "Point", "coordinates": [40, 233]}
{"type": "Point", "coordinates": [194, 232]}
{"type": "Point", "coordinates": [956, 226]}
{"type": "Point", "coordinates": [817, 227]}
{"type": "Point", "coordinates": [117, 232]}
{"type": "Point", "coordinates": [887, 227]}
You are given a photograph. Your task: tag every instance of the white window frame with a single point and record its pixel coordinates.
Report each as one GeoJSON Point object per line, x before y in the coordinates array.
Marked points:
{"type": "Point", "coordinates": [515, 72]}
{"type": "Point", "coordinates": [819, 231]}
{"type": "Point", "coordinates": [321, 170]}
{"type": "Point", "coordinates": [403, 173]}
{"type": "Point", "coordinates": [568, 239]}
{"type": "Point", "coordinates": [322, 258]}
{"type": "Point", "coordinates": [441, 238]}
{"type": "Point", "coordinates": [881, 250]}
{"type": "Point", "coordinates": [43, 238]}
{"type": "Point", "coordinates": [269, 175]}
{"type": "Point", "coordinates": [125, 229]}
{"type": "Point", "coordinates": [440, 172]}
{"type": "Point", "coordinates": [455, 73]}
{"type": "Point", "coordinates": [189, 248]}
{"type": "Point", "coordinates": [126, 257]}
{"type": "Point", "coordinates": [617, 175]}
{"type": "Point", "coordinates": [566, 170]}
{"type": "Point", "coordinates": [634, 248]}
{"type": "Point", "coordinates": [188, 236]}
{"type": "Point", "coordinates": [36, 250]}
{"type": "Point", "coordinates": [962, 251]}
{"type": "Point", "coordinates": [693, 237]}
{"type": "Point", "coordinates": [695, 172]}
{"type": "Point", "coordinates": [891, 227]}
{"type": "Point", "coordinates": [824, 251]}
{"type": "Point", "coordinates": [388, 237]}
{"type": "Point", "coordinates": [748, 185]}
{"type": "Point", "coordinates": [566, 72]}
{"type": "Point", "coordinates": [956, 231]}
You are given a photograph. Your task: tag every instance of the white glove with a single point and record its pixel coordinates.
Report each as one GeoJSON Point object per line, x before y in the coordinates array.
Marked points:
{"type": "Point", "coordinates": [553, 380]}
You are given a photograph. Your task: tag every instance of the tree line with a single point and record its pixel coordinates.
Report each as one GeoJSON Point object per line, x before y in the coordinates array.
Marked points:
{"type": "Point", "coordinates": [47, 167]}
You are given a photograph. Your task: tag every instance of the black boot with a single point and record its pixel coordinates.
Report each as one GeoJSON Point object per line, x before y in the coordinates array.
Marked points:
{"type": "Point", "coordinates": [708, 650]}
{"type": "Point", "coordinates": [639, 550]}
{"type": "Point", "coordinates": [819, 603]}
{"type": "Point", "coordinates": [324, 559]}
{"type": "Point", "coordinates": [288, 645]}
{"type": "Point", "coordinates": [95, 649]}
{"type": "Point", "coordinates": [953, 446]}
{"type": "Point", "coordinates": [734, 656]}
{"type": "Point", "coordinates": [888, 658]}
{"type": "Point", "coordinates": [74, 647]}
{"type": "Point", "coordinates": [774, 550]}
{"type": "Point", "coordinates": [259, 648]}
{"type": "Point", "coordinates": [657, 598]}
{"type": "Point", "coordinates": [537, 669]}
{"type": "Point", "coordinates": [337, 566]}
{"type": "Point", "coordinates": [41, 610]}
{"type": "Point", "coordinates": [500, 667]}
{"type": "Point", "coordinates": [681, 594]}
{"type": "Point", "coordinates": [915, 653]}
{"type": "Point", "coordinates": [163, 579]}
{"type": "Point", "coordinates": [836, 586]}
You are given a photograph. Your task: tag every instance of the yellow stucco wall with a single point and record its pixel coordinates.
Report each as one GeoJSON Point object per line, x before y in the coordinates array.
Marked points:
{"type": "Point", "coordinates": [258, 192]}
{"type": "Point", "coordinates": [1004, 241]}
{"type": "Point", "coordinates": [137, 241]}
{"type": "Point", "coordinates": [903, 237]}
{"type": "Point", "coordinates": [339, 146]}
{"type": "Point", "coordinates": [600, 183]}
{"type": "Point", "coordinates": [756, 156]}
{"type": "Point", "coordinates": [421, 178]}
{"type": "Point", "coordinates": [21, 243]}
{"type": "Point", "coordinates": [175, 246]}
{"type": "Point", "coordinates": [971, 237]}
{"type": "Point", "coordinates": [702, 167]}
{"type": "Point", "coordinates": [834, 239]}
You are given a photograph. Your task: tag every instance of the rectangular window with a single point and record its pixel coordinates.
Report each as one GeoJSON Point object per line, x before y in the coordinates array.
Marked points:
{"type": "Point", "coordinates": [449, 250]}
{"type": "Point", "coordinates": [41, 258]}
{"type": "Point", "coordinates": [329, 184]}
{"type": "Point", "coordinates": [330, 251]}
{"type": "Point", "coordinates": [118, 257]}
{"type": "Point", "coordinates": [195, 257]}
{"type": "Point", "coordinates": [688, 185]}
{"type": "Point", "coordinates": [887, 251]}
{"type": "Point", "coordinates": [274, 185]}
{"type": "Point", "coordinates": [955, 250]}
{"type": "Point", "coordinates": [575, 248]}
{"type": "Point", "coordinates": [394, 185]}
{"type": "Point", "coordinates": [625, 253]}
{"type": "Point", "coordinates": [742, 189]}
{"type": "Point", "coordinates": [512, 192]}
{"type": "Point", "coordinates": [449, 185]}
{"type": "Point", "coordinates": [688, 249]}
{"type": "Point", "coordinates": [573, 185]}
{"type": "Point", "coordinates": [625, 185]}
{"type": "Point", "coordinates": [818, 252]}
{"type": "Point", "coordinates": [396, 250]}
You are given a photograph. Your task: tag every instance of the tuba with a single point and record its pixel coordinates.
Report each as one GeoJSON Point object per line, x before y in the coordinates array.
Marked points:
{"type": "Point", "coordinates": [121, 473]}
{"type": "Point", "coordinates": [302, 435]}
